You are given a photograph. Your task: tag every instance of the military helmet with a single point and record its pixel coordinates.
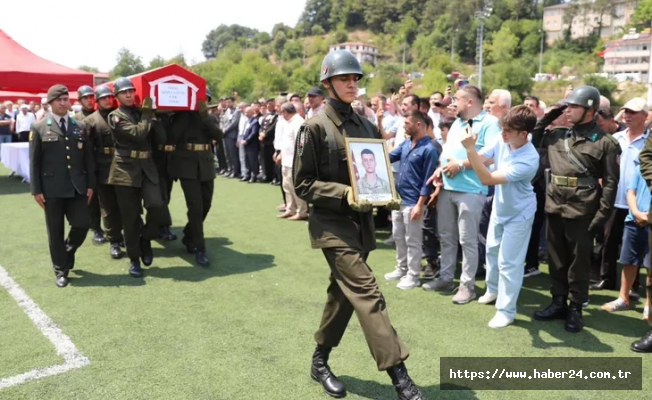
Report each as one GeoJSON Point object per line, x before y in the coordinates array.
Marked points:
{"type": "Point", "coordinates": [208, 95]}
{"type": "Point", "coordinates": [340, 62]}
{"type": "Point", "coordinates": [122, 84]}
{"type": "Point", "coordinates": [84, 91]}
{"type": "Point", "coordinates": [585, 96]}
{"type": "Point", "coordinates": [102, 91]}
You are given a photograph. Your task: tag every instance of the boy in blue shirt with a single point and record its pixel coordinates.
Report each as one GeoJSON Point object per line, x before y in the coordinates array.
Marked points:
{"type": "Point", "coordinates": [418, 157]}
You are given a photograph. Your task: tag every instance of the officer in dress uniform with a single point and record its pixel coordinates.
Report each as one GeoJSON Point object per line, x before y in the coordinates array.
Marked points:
{"type": "Point", "coordinates": [62, 179]}
{"type": "Point", "coordinates": [192, 164]}
{"type": "Point", "coordinates": [577, 206]}
{"type": "Point", "coordinates": [99, 134]}
{"type": "Point", "coordinates": [86, 96]}
{"type": "Point", "coordinates": [133, 173]}
{"type": "Point", "coordinates": [343, 229]}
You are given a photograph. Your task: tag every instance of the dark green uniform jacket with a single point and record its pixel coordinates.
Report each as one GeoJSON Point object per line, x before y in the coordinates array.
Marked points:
{"type": "Point", "coordinates": [61, 163]}
{"type": "Point", "coordinates": [100, 136]}
{"type": "Point", "coordinates": [132, 161]}
{"type": "Point", "coordinates": [193, 134]}
{"type": "Point", "coordinates": [598, 153]}
{"type": "Point", "coordinates": [80, 115]}
{"type": "Point", "coordinates": [321, 176]}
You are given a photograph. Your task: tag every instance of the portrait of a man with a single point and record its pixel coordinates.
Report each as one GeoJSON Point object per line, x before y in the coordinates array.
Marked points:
{"type": "Point", "coordinates": [371, 183]}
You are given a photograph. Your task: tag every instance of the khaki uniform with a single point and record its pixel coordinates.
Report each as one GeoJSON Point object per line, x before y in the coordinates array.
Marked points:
{"type": "Point", "coordinates": [62, 170]}
{"type": "Point", "coordinates": [134, 174]}
{"type": "Point", "coordinates": [381, 186]}
{"type": "Point", "coordinates": [94, 206]}
{"type": "Point", "coordinates": [100, 136]}
{"type": "Point", "coordinates": [345, 237]}
{"type": "Point", "coordinates": [193, 164]}
{"type": "Point", "coordinates": [577, 205]}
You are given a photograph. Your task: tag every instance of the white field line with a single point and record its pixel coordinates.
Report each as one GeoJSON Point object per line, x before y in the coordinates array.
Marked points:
{"type": "Point", "coordinates": [65, 347]}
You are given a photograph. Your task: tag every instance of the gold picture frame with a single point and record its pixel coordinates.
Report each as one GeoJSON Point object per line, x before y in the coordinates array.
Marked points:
{"type": "Point", "coordinates": [382, 190]}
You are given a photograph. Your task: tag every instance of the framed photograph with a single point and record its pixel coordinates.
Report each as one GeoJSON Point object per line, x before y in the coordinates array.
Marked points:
{"type": "Point", "coordinates": [370, 170]}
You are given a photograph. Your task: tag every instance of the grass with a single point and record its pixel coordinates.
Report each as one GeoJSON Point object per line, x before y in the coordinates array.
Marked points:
{"type": "Point", "coordinates": [243, 328]}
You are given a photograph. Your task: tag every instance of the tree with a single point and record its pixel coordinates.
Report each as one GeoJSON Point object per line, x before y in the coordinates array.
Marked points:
{"type": "Point", "coordinates": [511, 76]}
{"type": "Point", "coordinates": [156, 62]}
{"type": "Point", "coordinates": [88, 69]}
{"type": "Point", "coordinates": [240, 79]}
{"type": "Point", "coordinates": [178, 59]}
{"type": "Point", "coordinates": [643, 13]}
{"type": "Point", "coordinates": [317, 30]}
{"type": "Point", "coordinates": [604, 8]}
{"type": "Point", "coordinates": [292, 50]}
{"type": "Point", "coordinates": [279, 42]}
{"type": "Point", "coordinates": [219, 38]}
{"type": "Point", "coordinates": [340, 37]}
{"type": "Point", "coordinates": [316, 12]}
{"type": "Point", "coordinates": [604, 85]}
{"type": "Point", "coordinates": [214, 72]}
{"type": "Point", "coordinates": [504, 45]}
{"type": "Point", "coordinates": [127, 64]}
{"type": "Point", "coordinates": [435, 80]}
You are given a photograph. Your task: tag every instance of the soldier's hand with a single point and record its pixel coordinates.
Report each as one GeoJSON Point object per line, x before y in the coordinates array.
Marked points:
{"type": "Point", "coordinates": [361, 206]}
{"type": "Point", "coordinates": [147, 107]}
{"type": "Point", "coordinates": [393, 205]}
{"type": "Point", "coordinates": [89, 194]}
{"type": "Point", "coordinates": [203, 108]}
{"type": "Point", "coordinates": [40, 200]}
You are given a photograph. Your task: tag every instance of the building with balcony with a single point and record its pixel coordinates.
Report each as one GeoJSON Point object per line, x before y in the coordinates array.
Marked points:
{"type": "Point", "coordinates": [628, 57]}
{"type": "Point", "coordinates": [587, 21]}
{"type": "Point", "coordinates": [365, 53]}
{"type": "Point", "coordinates": [100, 78]}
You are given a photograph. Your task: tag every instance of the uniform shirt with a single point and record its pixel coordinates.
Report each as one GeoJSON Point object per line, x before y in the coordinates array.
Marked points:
{"type": "Point", "coordinates": [515, 200]}
{"type": "Point", "coordinates": [380, 187]}
{"type": "Point", "coordinates": [643, 197]}
{"type": "Point", "coordinates": [288, 138]}
{"type": "Point", "coordinates": [24, 121]}
{"type": "Point", "coordinates": [629, 154]}
{"type": "Point", "coordinates": [487, 128]}
{"type": "Point", "coordinates": [417, 166]}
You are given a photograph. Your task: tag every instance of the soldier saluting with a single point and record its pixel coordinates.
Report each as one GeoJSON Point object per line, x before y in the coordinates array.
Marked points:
{"type": "Point", "coordinates": [343, 229]}
{"type": "Point", "coordinates": [192, 163]}
{"type": "Point", "coordinates": [577, 205]}
{"type": "Point", "coordinates": [62, 179]}
{"type": "Point", "coordinates": [86, 97]}
{"type": "Point", "coordinates": [99, 134]}
{"type": "Point", "coordinates": [134, 175]}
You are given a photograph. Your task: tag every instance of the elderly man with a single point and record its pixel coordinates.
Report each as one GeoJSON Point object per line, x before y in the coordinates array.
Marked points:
{"type": "Point", "coordinates": [23, 123]}
{"type": "Point", "coordinates": [500, 101]}
{"type": "Point", "coordinates": [251, 144]}
{"type": "Point", "coordinates": [295, 209]}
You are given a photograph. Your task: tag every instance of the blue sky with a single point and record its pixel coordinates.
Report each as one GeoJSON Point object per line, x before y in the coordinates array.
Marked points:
{"type": "Point", "coordinates": [145, 27]}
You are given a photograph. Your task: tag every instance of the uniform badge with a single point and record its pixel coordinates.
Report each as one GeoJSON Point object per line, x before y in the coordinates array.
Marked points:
{"type": "Point", "coordinates": [594, 137]}
{"type": "Point", "coordinates": [31, 135]}
{"type": "Point", "coordinates": [80, 145]}
{"type": "Point", "coordinates": [589, 102]}
{"type": "Point", "coordinates": [303, 137]}
{"type": "Point", "coordinates": [325, 70]}
{"type": "Point", "coordinates": [116, 119]}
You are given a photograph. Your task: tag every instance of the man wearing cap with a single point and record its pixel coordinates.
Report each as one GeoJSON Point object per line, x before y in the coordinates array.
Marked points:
{"type": "Point", "coordinates": [316, 100]}
{"type": "Point", "coordinates": [62, 179]}
{"type": "Point", "coordinates": [86, 97]}
{"type": "Point", "coordinates": [342, 227]}
{"type": "Point", "coordinates": [99, 134]}
{"type": "Point", "coordinates": [134, 175]}
{"type": "Point", "coordinates": [577, 205]}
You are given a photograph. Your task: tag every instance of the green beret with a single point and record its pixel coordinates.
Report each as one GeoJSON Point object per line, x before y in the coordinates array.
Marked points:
{"type": "Point", "coordinates": [56, 91]}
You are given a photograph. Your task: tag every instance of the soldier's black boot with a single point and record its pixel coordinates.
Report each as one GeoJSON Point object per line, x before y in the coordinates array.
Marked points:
{"type": "Point", "coordinates": [116, 251]}
{"type": "Point", "coordinates": [202, 258]}
{"type": "Point", "coordinates": [190, 248]}
{"type": "Point", "coordinates": [574, 321]}
{"type": "Point", "coordinates": [146, 249]}
{"type": "Point", "coordinates": [644, 345]}
{"type": "Point", "coordinates": [98, 237]}
{"type": "Point", "coordinates": [321, 372]}
{"type": "Point", "coordinates": [405, 387]}
{"type": "Point", "coordinates": [558, 309]}
{"type": "Point", "coordinates": [70, 253]}
{"type": "Point", "coordinates": [166, 233]}
{"type": "Point", "coordinates": [135, 270]}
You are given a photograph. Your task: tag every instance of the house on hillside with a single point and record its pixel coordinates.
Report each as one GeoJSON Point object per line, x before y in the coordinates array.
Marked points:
{"type": "Point", "coordinates": [628, 57]}
{"type": "Point", "coordinates": [365, 53]}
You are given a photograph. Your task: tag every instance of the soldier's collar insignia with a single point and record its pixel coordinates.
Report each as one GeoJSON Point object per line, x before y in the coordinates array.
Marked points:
{"type": "Point", "coordinates": [594, 137]}
{"type": "Point", "coordinates": [49, 121]}
{"type": "Point", "coordinates": [116, 119]}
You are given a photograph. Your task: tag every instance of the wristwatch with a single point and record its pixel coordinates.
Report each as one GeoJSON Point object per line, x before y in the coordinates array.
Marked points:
{"type": "Point", "coordinates": [460, 164]}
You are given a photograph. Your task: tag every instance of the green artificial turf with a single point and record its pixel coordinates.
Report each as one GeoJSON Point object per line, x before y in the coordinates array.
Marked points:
{"type": "Point", "coordinates": [243, 328]}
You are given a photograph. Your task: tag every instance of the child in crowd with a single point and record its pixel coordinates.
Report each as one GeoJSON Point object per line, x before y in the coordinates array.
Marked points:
{"type": "Point", "coordinates": [634, 252]}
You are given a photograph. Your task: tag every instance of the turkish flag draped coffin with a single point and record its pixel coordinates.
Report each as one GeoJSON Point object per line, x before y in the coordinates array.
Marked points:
{"type": "Point", "coordinates": [172, 88]}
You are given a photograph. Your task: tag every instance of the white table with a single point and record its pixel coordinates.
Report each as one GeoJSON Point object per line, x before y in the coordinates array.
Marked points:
{"type": "Point", "coordinates": [15, 156]}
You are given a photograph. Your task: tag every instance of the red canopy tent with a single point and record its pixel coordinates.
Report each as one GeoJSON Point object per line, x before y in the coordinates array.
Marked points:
{"type": "Point", "coordinates": [24, 71]}
{"type": "Point", "coordinates": [14, 96]}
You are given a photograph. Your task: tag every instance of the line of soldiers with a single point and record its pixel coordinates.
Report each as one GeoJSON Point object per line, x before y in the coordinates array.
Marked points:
{"type": "Point", "coordinates": [114, 163]}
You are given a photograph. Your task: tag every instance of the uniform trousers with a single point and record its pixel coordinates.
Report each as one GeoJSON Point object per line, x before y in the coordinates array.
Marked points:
{"type": "Point", "coordinates": [130, 200]}
{"type": "Point", "coordinates": [165, 182]}
{"type": "Point", "coordinates": [110, 212]}
{"type": "Point", "coordinates": [95, 214]}
{"type": "Point", "coordinates": [569, 247]}
{"type": "Point", "coordinates": [353, 287]}
{"type": "Point", "coordinates": [532, 256]}
{"type": "Point", "coordinates": [199, 198]}
{"type": "Point", "coordinates": [613, 237]}
{"type": "Point", "coordinates": [75, 210]}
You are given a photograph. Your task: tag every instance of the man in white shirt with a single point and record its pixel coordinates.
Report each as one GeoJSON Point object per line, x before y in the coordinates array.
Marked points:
{"type": "Point", "coordinates": [295, 208]}
{"type": "Point", "coordinates": [23, 123]}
